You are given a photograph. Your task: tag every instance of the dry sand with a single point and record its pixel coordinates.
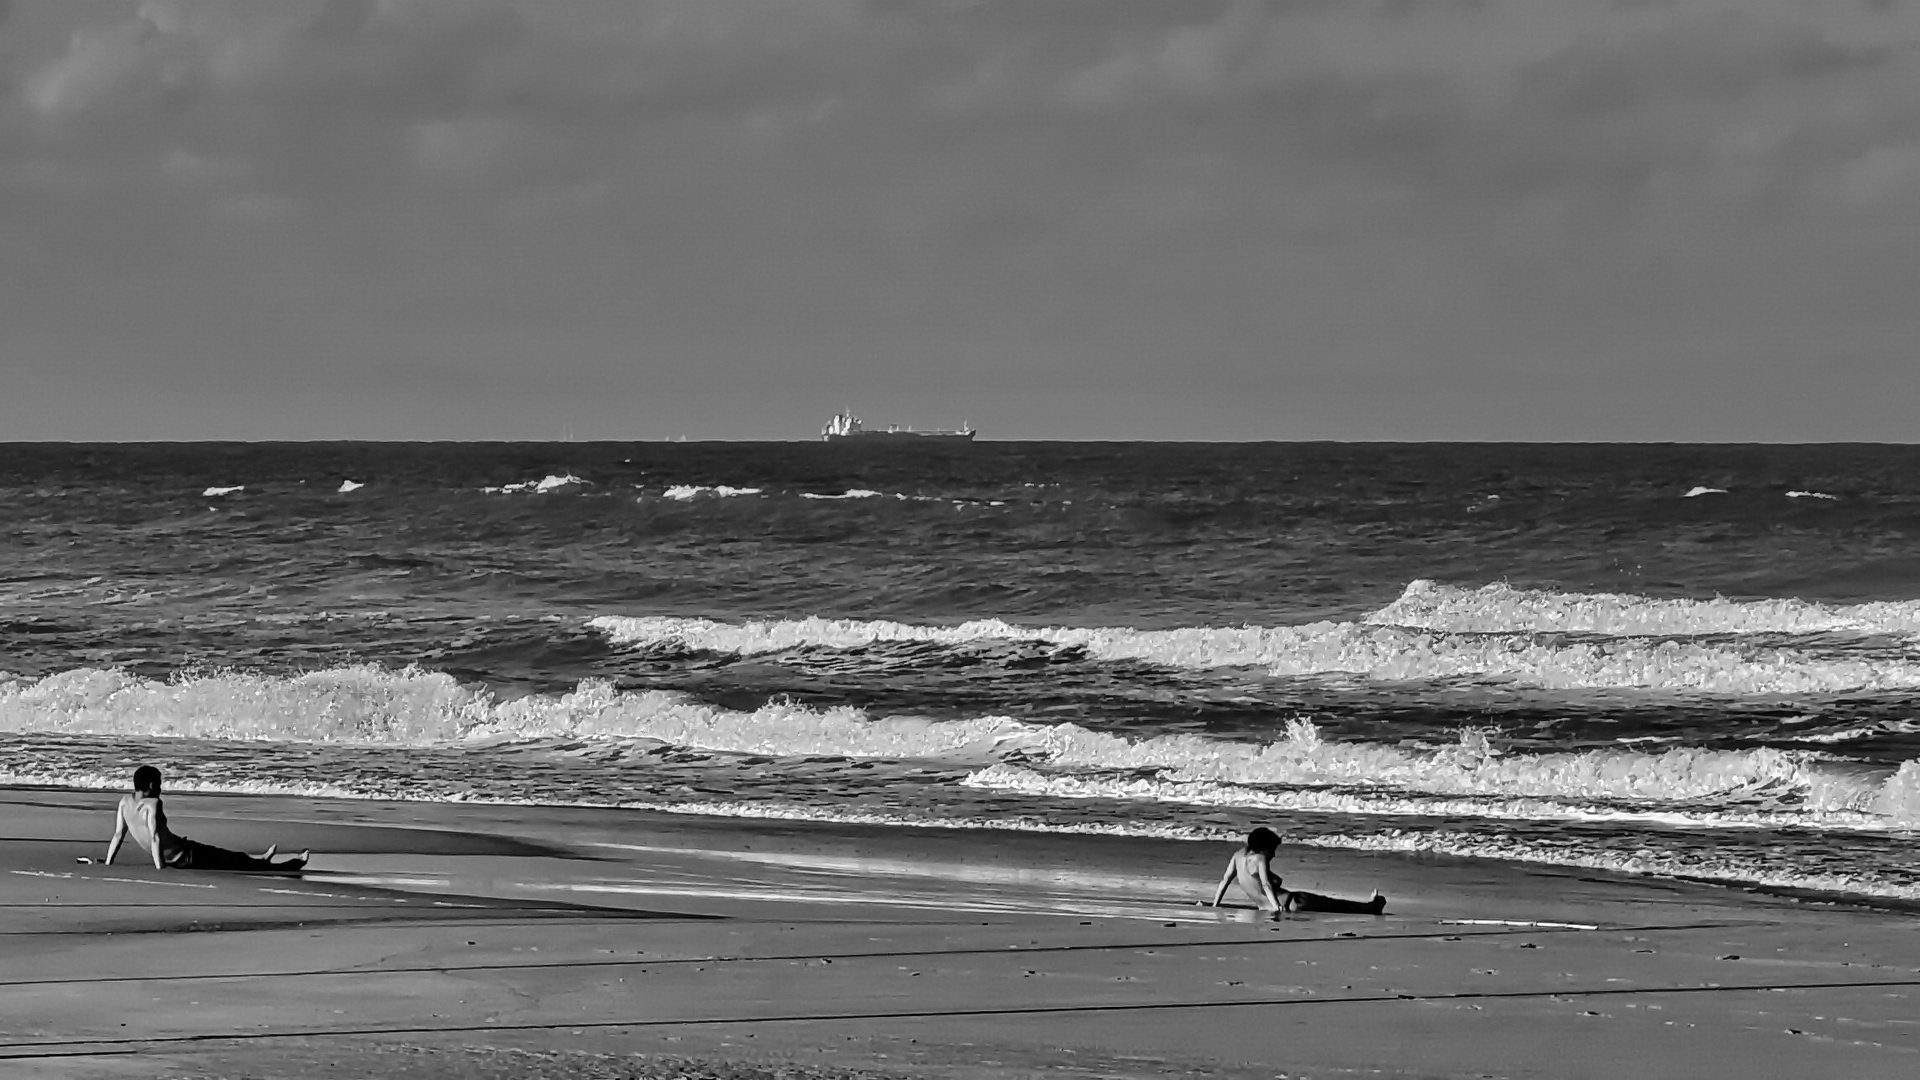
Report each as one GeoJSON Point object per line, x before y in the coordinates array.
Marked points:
{"type": "Point", "coordinates": [489, 941]}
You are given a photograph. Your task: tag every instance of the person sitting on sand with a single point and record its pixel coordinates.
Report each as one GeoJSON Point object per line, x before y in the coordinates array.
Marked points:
{"type": "Point", "coordinates": [141, 815]}
{"type": "Point", "coordinates": [1251, 868]}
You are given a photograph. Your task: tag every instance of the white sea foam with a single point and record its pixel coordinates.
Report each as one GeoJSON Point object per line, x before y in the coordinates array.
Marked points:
{"type": "Point", "coordinates": [1811, 495]}
{"type": "Point", "coordinates": [1832, 804]}
{"type": "Point", "coordinates": [717, 807]}
{"type": "Point", "coordinates": [851, 493]}
{"type": "Point", "coordinates": [1696, 492]}
{"type": "Point", "coordinates": [544, 485]}
{"type": "Point", "coordinates": [215, 492]}
{"type": "Point", "coordinates": [1367, 649]}
{"type": "Point", "coordinates": [1153, 789]}
{"type": "Point", "coordinates": [1189, 768]}
{"type": "Point", "coordinates": [370, 706]}
{"type": "Point", "coordinates": [350, 485]}
{"type": "Point", "coordinates": [1501, 608]}
{"type": "Point", "coordinates": [688, 492]}
{"type": "Point", "coordinates": [352, 704]}
{"type": "Point", "coordinates": [1899, 795]}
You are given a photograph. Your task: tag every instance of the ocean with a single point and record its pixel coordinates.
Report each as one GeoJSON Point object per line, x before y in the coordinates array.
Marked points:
{"type": "Point", "coordinates": [1698, 662]}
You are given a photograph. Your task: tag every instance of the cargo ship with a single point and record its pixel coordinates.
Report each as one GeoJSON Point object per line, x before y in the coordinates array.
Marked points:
{"type": "Point", "coordinates": [846, 427]}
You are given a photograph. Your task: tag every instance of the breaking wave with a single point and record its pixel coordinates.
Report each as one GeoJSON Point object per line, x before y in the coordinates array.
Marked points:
{"type": "Point", "coordinates": [689, 492]}
{"type": "Point", "coordinates": [1304, 771]}
{"type": "Point", "coordinates": [545, 485]}
{"type": "Point", "coordinates": [1329, 800]}
{"type": "Point", "coordinates": [1377, 648]}
{"type": "Point", "coordinates": [1827, 802]}
{"type": "Point", "coordinates": [1501, 608]}
{"type": "Point", "coordinates": [369, 706]}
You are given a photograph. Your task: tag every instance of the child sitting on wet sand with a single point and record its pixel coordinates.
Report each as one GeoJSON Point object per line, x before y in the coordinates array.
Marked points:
{"type": "Point", "coordinates": [1251, 868]}
{"type": "Point", "coordinates": [141, 815]}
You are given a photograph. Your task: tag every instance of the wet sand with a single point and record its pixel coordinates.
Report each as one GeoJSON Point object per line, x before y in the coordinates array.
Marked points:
{"type": "Point", "coordinates": [449, 940]}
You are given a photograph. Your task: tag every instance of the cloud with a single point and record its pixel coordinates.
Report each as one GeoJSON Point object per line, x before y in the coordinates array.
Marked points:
{"type": "Point", "coordinates": [195, 170]}
{"type": "Point", "coordinates": [98, 64]}
{"type": "Point", "coordinates": [1383, 186]}
{"type": "Point", "coordinates": [1508, 100]}
{"type": "Point", "coordinates": [1881, 174]}
{"type": "Point", "coordinates": [461, 147]}
{"type": "Point", "coordinates": [1489, 102]}
{"type": "Point", "coordinates": [1181, 61]}
{"type": "Point", "coordinates": [1724, 58]}
{"type": "Point", "coordinates": [255, 207]}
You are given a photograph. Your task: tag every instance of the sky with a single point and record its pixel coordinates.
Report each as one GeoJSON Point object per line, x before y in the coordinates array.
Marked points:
{"type": "Point", "coordinates": [1693, 220]}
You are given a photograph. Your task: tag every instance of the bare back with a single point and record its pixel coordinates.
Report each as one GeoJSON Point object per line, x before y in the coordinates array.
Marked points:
{"type": "Point", "coordinates": [146, 822]}
{"type": "Point", "coordinates": [1249, 870]}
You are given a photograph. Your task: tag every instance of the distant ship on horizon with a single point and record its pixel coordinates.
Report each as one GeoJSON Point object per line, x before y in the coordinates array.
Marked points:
{"type": "Point", "coordinates": [845, 427]}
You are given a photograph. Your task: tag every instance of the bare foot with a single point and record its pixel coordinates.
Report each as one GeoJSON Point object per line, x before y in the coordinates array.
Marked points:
{"type": "Point", "coordinates": [267, 855]}
{"type": "Point", "coordinates": [296, 862]}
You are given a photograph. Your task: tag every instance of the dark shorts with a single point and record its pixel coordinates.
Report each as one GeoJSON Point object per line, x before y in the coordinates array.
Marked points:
{"type": "Point", "coordinates": [184, 854]}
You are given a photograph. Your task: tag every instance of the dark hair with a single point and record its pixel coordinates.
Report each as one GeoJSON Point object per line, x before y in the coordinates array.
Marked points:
{"type": "Point", "coordinates": [146, 780]}
{"type": "Point", "coordinates": [1263, 840]}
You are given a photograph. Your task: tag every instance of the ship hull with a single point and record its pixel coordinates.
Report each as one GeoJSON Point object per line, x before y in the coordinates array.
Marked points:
{"type": "Point", "coordinates": [866, 437]}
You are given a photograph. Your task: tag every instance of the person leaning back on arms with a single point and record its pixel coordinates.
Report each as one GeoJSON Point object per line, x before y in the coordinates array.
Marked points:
{"type": "Point", "coordinates": [1251, 868]}
{"type": "Point", "coordinates": [141, 815]}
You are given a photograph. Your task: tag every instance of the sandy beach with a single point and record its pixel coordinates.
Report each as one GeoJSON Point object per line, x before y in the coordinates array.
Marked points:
{"type": "Point", "coordinates": [785, 540]}
{"type": "Point", "coordinates": [449, 940]}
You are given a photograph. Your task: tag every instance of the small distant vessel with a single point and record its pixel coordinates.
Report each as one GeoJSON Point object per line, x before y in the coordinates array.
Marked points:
{"type": "Point", "coordinates": [846, 427]}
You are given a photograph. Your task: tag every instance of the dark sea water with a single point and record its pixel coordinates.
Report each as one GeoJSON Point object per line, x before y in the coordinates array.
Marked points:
{"type": "Point", "coordinates": [1697, 661]}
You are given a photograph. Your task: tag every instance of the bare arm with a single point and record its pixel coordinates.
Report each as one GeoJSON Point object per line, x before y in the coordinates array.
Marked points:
{"type": "Point", "coordinates": [1226, 882]}
{"type": "Point", "coordinates": [119, 834]}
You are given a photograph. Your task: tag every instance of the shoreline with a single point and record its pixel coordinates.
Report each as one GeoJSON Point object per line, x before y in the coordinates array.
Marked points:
{"type": "Point", "coordinates": [470, 930]}
{"type": "Point", "coordinates": [1300, 851]}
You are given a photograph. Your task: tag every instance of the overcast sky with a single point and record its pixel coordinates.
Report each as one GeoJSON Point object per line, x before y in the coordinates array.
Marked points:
{"type": "Point", "coordinates": [1317, 219]}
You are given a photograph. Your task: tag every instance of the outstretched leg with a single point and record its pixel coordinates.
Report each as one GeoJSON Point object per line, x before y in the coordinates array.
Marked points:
{"type": "Point", "coordinates": [1306, 901]}
{"type": "Point", "coordinates": [197, 856]}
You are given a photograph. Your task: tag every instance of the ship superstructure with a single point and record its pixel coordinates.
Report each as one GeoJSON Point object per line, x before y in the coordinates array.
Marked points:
{"type": "Point", "coordinates": [847, 427]}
